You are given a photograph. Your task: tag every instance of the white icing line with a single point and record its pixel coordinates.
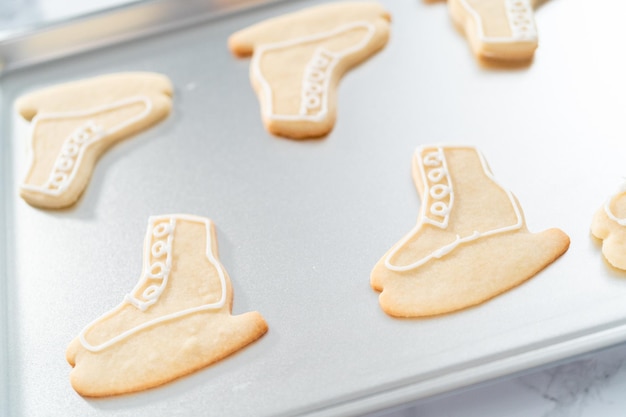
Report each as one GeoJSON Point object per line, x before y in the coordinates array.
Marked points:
{"type": "Point", "coordinates": [427, 196]}
{"type": "Point", "coordinates": [444, 250]}
{"type": "Point", "coordinates": [529, 36]}
{"type": "Point", "coordinates": [607, 209]}
{"type": "Point", "coordinates": [521, 21]}
{"type": "Point", "coordinates": [212, 306]}
{"type": "Point", "coordinates": [100, 134]}
{"type": "Point", "coordinates": [336, 57]}
{"type": "Point", "coordinates": [164, 269]}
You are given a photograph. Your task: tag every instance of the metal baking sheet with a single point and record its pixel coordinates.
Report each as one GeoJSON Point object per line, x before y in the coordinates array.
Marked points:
{"type": "Point", "coordinates": [301, 223]}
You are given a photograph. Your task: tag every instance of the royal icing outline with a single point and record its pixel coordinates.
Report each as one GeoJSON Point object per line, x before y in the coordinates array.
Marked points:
{"type": "Point", "coordinates": [519, 14]}
{"type": "Point", "coordinates": [162, 236]}
{"type": "Point", "coordinates": [130, 299]}
{"type": "Point", "coordinates": [422, 162]}
{"type": "Point", "coordinates": [309, 84]}
{"type": "Point", "coordinates": [75, 145]}
{"type": "Point", "coordinates": [607, 207]}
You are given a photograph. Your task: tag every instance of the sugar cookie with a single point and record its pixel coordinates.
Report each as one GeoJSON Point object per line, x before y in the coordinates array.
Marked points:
{"type": "Point", "coordinates": [470, 242]}
{"type": "Point", "coordinates": [609, 224]}
{"type": "Point", "coordinates": [497, 29]}
{"type": "Point", "coordinates": [175, 321]}
{"type": "Point", "coordinates": [72, 124]}
{"type": "Point", "coordinates": [298, 60]}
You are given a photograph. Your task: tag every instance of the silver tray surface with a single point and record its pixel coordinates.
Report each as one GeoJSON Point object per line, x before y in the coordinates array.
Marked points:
{"type": "Point", "coordinates": [301, 223]}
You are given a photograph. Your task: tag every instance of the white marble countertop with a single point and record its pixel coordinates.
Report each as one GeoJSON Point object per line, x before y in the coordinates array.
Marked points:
{"type": "Point", "coordinates": [589, 386]}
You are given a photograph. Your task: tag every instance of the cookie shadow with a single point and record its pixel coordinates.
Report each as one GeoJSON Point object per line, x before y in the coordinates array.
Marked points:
{"type": "Point", "coordinates": [502, 65]}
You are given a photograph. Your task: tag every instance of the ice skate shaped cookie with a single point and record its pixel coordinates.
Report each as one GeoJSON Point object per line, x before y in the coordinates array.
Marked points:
{"type": "Point", "coordinates": [470, 242]}
{"type": "Point", "coordinates": [72, 124]}
{"type": "Point", "coordinates": [175, 321]}
{"type": "Point", "coordinates": [497, 29]}
{"type": "Point", "coordinates": [609, 225]}
{"type": "Point", "coordinates": [298, 60]}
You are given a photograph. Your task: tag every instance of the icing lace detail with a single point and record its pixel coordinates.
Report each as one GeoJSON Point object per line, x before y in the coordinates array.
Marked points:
{"type": "Point", "coordinates": [313, 105]}
{"type": "Point", "coordinates": [521, 19]}
{"type": "Point", "coordinates": [439, 195]}
{"type": "Point", "coordinates": [434, 168]}
{"type": "Point", "coordinates": [75, 146]}
{"type": "Point", "coordinates": [65, 165]}
{"type": "Point", "coordinates": [157, 265]}
{"type": "Point", "coordinates": [316, 75]}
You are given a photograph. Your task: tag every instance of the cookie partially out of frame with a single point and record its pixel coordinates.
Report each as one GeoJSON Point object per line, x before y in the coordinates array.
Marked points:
{"type": "Point", "coordinates": [176, 320]}
{"type": "Point", "coordinates": [470, 242]}
{"type": "Point", "coordinates": [72, 124]}
{"type": "Point", "coordinates": [497, 29]}
{"type": "Point", "coordinates": [299, 58]}
{"type": "Point", "coordinates": [609, 225]}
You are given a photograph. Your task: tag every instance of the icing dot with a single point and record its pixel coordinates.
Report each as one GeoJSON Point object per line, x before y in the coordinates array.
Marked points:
{"type": "Point", "coordinates": [313, 88]}
{"type": "Point", "coordinates": [161, 229]}
{"type": "Point", "coordinates": [81, 137]}
{"type": "Point", "coordinates": [70, 149]}
{"type": "Point", "coordinates": [439, 191]}
{"type": "Point", "coordinates": [436, 174]}
{"type": "Point", "coordinates": [315, 75]}
{"type": "Point", "coordinates": [157, 270]}
{"type": "Point", "coordinates": [432, 159]}
{"type": "Point", "coordinates": [320, 62]}
{"type": "Point", "coordinates": [439, 208]}
{"type": "Point", "coordinates": [64, 164]}
{"type": "Point", "coordinates": [58, 178]}
{"type": "Point", "coordinates": [151, 292]}
{"type": "Point", "coordinates": [312, 102]}
{"type": "Point", "coordinates": [159, 249]}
